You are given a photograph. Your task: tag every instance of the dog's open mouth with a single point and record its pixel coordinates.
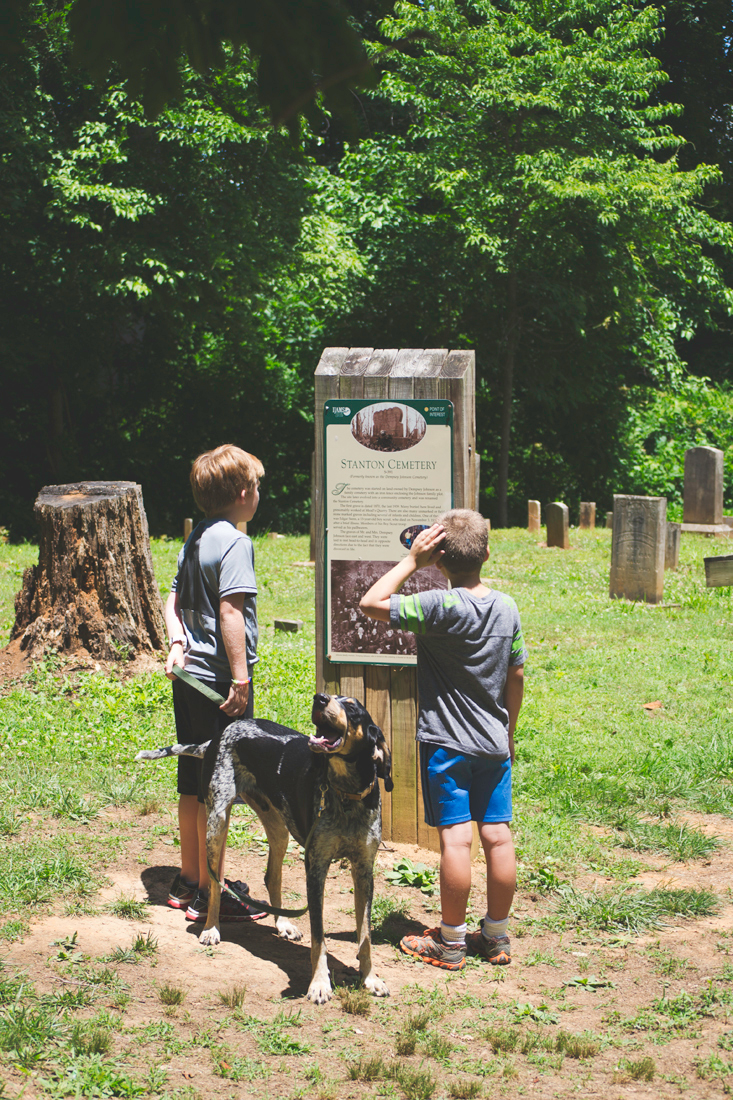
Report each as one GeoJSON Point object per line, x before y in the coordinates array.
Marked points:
{"type": "Point", "coordinates": [325, 738]}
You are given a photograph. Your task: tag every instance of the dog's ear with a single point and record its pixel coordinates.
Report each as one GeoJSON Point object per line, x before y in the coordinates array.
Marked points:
{"type": "Point", "coordinates": [381, 756]}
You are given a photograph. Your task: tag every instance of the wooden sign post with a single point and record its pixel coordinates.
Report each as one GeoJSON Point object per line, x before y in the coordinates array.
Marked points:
{"type": "Point", "coordinates": [389, 690]}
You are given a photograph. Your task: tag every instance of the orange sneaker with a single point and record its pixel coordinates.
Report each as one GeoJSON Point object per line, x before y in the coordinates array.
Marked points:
{"type": "Point", "coordinates": [431, 949]}
{"type": "Point", "coordinates": [496, 949]}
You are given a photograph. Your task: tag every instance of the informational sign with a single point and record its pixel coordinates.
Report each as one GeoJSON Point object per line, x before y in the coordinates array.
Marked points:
{"type": "Point", "coordinates": [388, 473]}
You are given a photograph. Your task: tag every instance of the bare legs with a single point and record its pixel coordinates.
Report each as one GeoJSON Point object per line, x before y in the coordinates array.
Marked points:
{"type": "Point", "coordinates": [455, 869]}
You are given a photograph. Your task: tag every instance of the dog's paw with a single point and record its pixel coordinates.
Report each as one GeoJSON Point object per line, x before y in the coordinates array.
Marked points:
{"type": "Point", "coordinates": [319, 992]}
{"type": "Point", "coordinates": [376, 986]}
{"type": "Point", "coordinates": [288, 931]}
{"type": "Point", "coordinates": [210, 937]}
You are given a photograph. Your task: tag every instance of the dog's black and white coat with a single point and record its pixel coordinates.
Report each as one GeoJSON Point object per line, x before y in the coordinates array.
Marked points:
{"type": "Point", "coordinates": [324, 791]}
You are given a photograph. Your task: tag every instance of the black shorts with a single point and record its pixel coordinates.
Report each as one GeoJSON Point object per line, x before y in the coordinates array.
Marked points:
{"type": "Point", "coordinates": [198, 719]}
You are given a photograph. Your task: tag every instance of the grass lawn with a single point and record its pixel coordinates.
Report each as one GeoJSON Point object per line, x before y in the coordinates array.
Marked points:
{"type": "Point", "coordinates": [622, 926]}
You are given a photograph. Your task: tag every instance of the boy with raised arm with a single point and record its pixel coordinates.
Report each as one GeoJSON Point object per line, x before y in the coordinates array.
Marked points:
{"type": "Point", "coordinates": [470, 676]}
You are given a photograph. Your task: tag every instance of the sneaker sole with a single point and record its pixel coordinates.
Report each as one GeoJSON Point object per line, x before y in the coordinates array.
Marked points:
{"type": "Point", "coordinates": [201, 918]}
{"type": "Point", "coordinates": [433, 962]}
{"type": "Point", "coordinates": [178, 903]}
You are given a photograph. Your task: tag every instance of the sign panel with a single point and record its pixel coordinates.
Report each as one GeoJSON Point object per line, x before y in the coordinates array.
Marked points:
{"type": "Point", "coordinates": [388, 473]}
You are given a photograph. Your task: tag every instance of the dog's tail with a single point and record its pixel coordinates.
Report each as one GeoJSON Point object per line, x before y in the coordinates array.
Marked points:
{"type": "Point", "coordinates": [174, 750]}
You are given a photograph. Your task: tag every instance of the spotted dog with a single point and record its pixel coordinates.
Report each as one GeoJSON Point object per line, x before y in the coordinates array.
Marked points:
{"type": "Point", "coordinates": [323, 790]}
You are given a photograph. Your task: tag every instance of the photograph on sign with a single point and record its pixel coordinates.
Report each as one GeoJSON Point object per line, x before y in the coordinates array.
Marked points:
{"type": "Point", "coordinates": [388, 475]}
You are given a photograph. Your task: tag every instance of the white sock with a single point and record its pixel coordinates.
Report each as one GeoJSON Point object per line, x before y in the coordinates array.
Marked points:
{"type": "Point", "coordinates": [491, 927]}
{"type": "Point", "coordinates": [454, 934]}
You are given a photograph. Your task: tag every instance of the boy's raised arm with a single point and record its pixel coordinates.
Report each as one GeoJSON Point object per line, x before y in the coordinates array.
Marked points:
{"type": "Point", "coordinates": [425, 550]}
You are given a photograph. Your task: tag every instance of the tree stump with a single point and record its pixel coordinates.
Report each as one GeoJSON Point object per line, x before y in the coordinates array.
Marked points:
{"type": "Point", "coordinates": [94, 586]}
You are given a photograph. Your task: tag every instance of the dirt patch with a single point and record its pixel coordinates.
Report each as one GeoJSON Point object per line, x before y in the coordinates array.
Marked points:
{"type": "Point", "coordinates": [277, 1044]}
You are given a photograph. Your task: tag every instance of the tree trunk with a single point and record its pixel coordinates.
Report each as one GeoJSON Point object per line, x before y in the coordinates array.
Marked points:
{"type": "Point", "coordinates": [510, 348]}
{"type": "Point", "coordinates": [94, 586]}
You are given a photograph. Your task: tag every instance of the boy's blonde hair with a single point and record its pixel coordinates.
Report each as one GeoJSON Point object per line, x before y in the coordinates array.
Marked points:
{"type": "Point", "coordinates": [218, 477]}
{"type": "Point", "coordinates": [466, 540]}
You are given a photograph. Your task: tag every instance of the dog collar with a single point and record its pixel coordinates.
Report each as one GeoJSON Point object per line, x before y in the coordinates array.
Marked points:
{"type": "Point", "coordinates": [356, 797]}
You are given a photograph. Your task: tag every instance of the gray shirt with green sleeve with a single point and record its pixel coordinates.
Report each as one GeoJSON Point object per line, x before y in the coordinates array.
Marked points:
{"type": "Point", "coordinates": [465, 646]}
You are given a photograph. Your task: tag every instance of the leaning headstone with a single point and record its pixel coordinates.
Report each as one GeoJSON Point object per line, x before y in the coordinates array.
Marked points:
{"type": "Point", "coordinates": [533, 516]}
{"type": "Point", "coordinates": [703, 486]}
{"type": "Point", "coordinates": [292, 626]}
{"type": "Point", "coordinates": [638, 547]}
{"type": "Point", "coordinates": [556, 518]}
{"type": "Point", "coordinates": [672, 546]}
{"type": "Point", "coordinates": [588, 514]}
{"type": "Point", "coordinates": [609, 520]}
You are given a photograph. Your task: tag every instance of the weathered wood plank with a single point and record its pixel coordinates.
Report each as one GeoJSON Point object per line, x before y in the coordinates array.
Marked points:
{"type": "Point", "coordinates": [377, 702]}
{"type": "Point", "coordinates": [404, 756]}
{"type": "Point", "coordinates": [381, 362]}
{"type": "Point", "coordinates": [356, 362]}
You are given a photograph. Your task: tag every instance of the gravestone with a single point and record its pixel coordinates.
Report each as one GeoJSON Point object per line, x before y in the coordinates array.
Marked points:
{"type": "Point", "coordinates": [588, 515]}
{"type": "Point", "coordinates": [533, 516]}
{"type": "Point", "coordinates": [187, 528]}
{"type": "Point", "coordinates": [672, 546]}
{"type": "Point", "coordinates": [556, 518]}
{"type": "Point", "coordinates": [703, 486]}
{"type": "Point", "coordinates": [638, 547]}
{"type": "Point", "coordinates": [609, 520]}
{"type": "Point", "coordinates": [719, 571]}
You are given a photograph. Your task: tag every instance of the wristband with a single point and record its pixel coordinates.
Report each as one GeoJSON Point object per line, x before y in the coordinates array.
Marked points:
{"type": "Point", "coordinates": [180, 639]}
{"type": "Point", "coordinates": [241, 683]}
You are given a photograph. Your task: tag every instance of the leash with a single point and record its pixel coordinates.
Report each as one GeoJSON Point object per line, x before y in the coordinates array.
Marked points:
{"type": "Point", "coordinates": [262, 906]}
{"type": "Point", "coordinates": [199, 685]}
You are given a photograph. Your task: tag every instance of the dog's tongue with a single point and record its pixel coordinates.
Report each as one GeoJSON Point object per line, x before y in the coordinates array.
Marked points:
{"type": "Point", "coordinates": [325, 741]}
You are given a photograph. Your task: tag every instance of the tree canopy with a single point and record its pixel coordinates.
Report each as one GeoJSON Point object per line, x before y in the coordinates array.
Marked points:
{"type": "Point", "coordinates": [522, 184]}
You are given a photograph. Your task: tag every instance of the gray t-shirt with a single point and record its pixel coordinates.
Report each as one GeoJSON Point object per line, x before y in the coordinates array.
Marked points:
{"type": "Point", "coordinates": [217, 560]}
{"type": "Point", "coordinates": [465, 645]}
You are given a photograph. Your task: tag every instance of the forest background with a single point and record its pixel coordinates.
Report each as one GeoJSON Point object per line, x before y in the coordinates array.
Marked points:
{"type": "Point", "coordinates": [549, 182]}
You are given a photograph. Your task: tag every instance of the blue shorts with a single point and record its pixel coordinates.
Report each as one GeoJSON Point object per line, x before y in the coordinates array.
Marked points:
{"type": "Point", "coordinates": [457, 787]}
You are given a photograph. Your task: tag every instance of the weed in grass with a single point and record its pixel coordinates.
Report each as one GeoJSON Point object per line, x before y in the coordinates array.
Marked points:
{"type": "Point", "coordinates": [239, 1069]}
{"type": "Point", "coordinates": [712, 1067]}
{"type": "Point", "coordinates": [641, 1070]}
{"type": "Point", "coordinates": [633, 912]}
{"type": "Point", "coordinates": [156, 1079]}
{"type": "Point", "coordinates": [680, 841]}
{"type": "Point", "coordinates": [502, 1039]}
{"type": "Point", "coordinates": [406, 873]}
{"type": "Point", "coordinates": [87, 1038]}
{"type": "Point", "coordinates": [725, 1041]}
{"type": "Point", "coordinates": [465, 1089]}
{"type": "Point", "coordinates": [70, 998]}
{"type": "Point", "coordinates": [509, 1070]}
{"type": "Point", "coordinates": [406, 1043]}
{"type": "Point", "coordinates": [128, 907]}
{"type": "Point", "coordinates": [539, 1014]}
{"type": "Point", "coordinates": [389, 916]}
{"type": "Point", "coordinates": [14, 930]}
{"type": "Point", "coordinates": [150, 805]}
{"type": "Point", "coordinates": [121, 1000]}
{"type": "Point", "coordinates": [538, 958]}
{"type": "Point", "coordinates": [142, 947]}
{"type": "Point", "coordinates": [576, 1046]}
{"type": "Point", "coordinates": [10, 822]}
{"type": "Point", "coordinates": [437, 1046]}
{"type": "Point", "coordinates": [355, 1001]}
{"type": "Point", "coordinates": [416, 1084]}
{"type": "Point", "coordinates": [27, 1032]}
{"type": "Point", "coordinates": [233, 997]}
{"type": "Point", "coordinates": [667, 964]}
{"type": "Point", "coordinates": [366, 1069]}
{"type": "Point", "coordinates": [90, 1075]}
{"type": "Point", "coordinates": [171, 995]}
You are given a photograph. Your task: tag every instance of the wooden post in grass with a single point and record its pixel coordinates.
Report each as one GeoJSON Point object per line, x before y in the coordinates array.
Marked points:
{"type": "Point", "coordinates": [638, 547]}
{"type": "Point", "coordinates": [533, 516]}
{"type": "Point", "coordinates": [556, 518]}
{"type": "Point", "coordinates": [672, 545]}
{"type": "Point", "coordinates": [387, 376]}
{"type": "Point", "coordinates": [588, 515]}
